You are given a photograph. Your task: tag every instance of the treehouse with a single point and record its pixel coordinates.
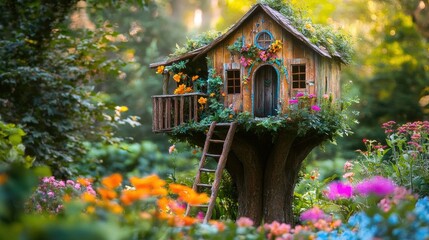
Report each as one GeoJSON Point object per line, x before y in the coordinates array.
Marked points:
{"type": "Point", "coordinates": [260, 70]}
{"type": "Point", "coordinates": [263, 62]}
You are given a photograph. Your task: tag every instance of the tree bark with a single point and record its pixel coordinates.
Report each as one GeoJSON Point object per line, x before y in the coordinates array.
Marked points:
{"type": "Point", "coordinates": [264, 168]}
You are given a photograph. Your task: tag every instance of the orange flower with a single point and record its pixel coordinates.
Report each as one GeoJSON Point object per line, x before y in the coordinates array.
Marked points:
{"type": "Point", "coordinates": [177, 77]}
{"type": "Point", "coordinates": [130, 196]}
{"type": "Point", "coordinates": [115, 208]}
{"type": "Point", "coordinates": [84, 181]}
{"type": "Point", "coordinates": [152, 183]}
{"type": "Point", "coordinates": [194, 198]}
{"type": "Point", "coordinates": [3, 178]}
{"type": "Point", "coordinates": [160, 70]}
{"type": "Point", "coordinates": [202, 100]}
{"type": "Point", "coordinates": [107, 194]}
{"type": "Point", "coordinates": [112, 181]}
{"type": "Point", "coordinates": [66, 198]}
{"type": "Point", "coordinates": [181, 89]}
{"type": "Point", "coordinates": [195, 78]}
{"type": "Point", "coordinates": [223, 94]}
{"type": "Point", "coordinates": [88, 197]}
{"type": "Point", "coordinates": [179, 189]}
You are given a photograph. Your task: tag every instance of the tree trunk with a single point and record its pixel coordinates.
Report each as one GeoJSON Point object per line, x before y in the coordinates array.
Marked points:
{"type": "Point", "coordinates": [265, 170]}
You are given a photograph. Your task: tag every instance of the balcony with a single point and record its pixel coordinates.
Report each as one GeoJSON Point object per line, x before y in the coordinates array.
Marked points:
{"type": "Point", "coordinates": [170, 111]}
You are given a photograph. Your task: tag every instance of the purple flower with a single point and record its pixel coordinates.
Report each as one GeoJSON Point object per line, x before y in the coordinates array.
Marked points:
{"type": "Point", "coordinates": [311, 96]}
{"type": "Point", "coordinates": [51, 194]}
{"type": "Point", "coordinates": [293, 101]}
{"type": "Point", "coordinates": [315, 108]}
{"type": "Point", "coordinates": [338, 190]}
{"type": "Point", "coordinates": [377, 185]}
{"type": "Point", "coordinates": [313, 214]}
{"type": "Point", "coordinates": [70, 182]}
{"type": "Point", "coordinates": [300, 94]}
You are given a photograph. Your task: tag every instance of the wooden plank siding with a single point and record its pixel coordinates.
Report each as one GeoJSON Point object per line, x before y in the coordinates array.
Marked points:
{"type": "Point", "coordinates": [322, 73]}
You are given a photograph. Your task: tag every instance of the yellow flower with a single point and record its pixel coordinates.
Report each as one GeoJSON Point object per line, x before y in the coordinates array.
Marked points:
{"type": "Point", "coordinates": [90, 209]}
{"type": "Point", "coordinates": [112, 181]}
{"type": "Point", "coordinates": [88, 197]}
{"type": "Point", "coordinates": [160, 70]}
{"type": "Point", "coordinates": [121, 108]}
{"type": "Point", "coordinates": [212, 94]}
{"type": "Point", "coordinates": [195, 77]}
{"type": "Point", "coordinates": [202, 100]}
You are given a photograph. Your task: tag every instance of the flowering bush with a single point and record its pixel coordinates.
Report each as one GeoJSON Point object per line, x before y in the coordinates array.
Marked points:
{"type": "Point", "coordinates": [51, 194]}
{"type": "Point", "coordinates": [151, 209]}
{"type": "Point", "coordinates": [404, 158]}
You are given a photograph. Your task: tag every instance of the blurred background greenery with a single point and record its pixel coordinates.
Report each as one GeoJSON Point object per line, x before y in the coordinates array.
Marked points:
{"type": "Point", "coordinates": [390, 69]}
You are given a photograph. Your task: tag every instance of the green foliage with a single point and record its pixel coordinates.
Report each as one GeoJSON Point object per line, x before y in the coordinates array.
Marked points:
{"type": "Point", "coordinates": [47, 80]}
{"type": "Point", "coordinates": [404, 159]}
{"type": "Point", "coordinates": [196, 42]}
{"type": "Point", "coordinates": [12, 151]}
{"type": "Point", "coordinates": [135, 159]}
{"type": "Point", "coordinates": [336, 42]}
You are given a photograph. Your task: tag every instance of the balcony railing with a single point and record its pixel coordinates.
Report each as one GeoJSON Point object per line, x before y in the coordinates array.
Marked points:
{"type": "Point", "coordinates": [170, 111]}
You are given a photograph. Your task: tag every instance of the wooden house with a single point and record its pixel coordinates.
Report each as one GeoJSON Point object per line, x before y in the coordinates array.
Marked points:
{"type": "Point", "coordinates": [263, 61]}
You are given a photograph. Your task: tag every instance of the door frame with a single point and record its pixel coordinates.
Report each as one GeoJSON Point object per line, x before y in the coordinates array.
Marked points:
{"type": "Point", "coordinates": [277, 92]}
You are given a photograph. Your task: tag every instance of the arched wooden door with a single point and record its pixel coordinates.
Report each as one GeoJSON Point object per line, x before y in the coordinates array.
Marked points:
{"type": "Point", "coordinates": [265, 91]}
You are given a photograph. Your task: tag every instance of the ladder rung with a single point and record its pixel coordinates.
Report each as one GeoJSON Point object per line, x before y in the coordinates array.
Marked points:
{"type": "Point", "coordinates": [213, 155]}
{"type": "Point", "coordinates": [217, 141]}
{"type": "Point", "coordinates": [204, 185]}
{"type": "Point", "coordinates": [200, 205]}
{"type": "Point", "coordinates": [207, 170]}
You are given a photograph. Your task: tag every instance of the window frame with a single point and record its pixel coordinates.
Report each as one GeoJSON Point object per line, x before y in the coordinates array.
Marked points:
{"type": "Point", "coordinates": [271, 40]}
{"type": "Point", "coordinates": [302, 83]}
{"type": "Point", "coordinates": [235, 80]}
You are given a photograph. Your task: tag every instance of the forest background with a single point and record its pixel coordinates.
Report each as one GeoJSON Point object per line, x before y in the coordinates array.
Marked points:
{"type": "Point", "coordinates": [389, 72]}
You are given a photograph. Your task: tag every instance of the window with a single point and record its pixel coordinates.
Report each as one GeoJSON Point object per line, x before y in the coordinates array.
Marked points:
{"type": "Point", "coordinates": [298, 76]}
{"type": "Point", "coordinates": [233, 81]}
{"type": "Point", "coordinates": [263, 40]}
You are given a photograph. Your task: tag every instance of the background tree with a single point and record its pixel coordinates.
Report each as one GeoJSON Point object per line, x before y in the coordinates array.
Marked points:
{"type": "Point", "coordinates": [46, 81]}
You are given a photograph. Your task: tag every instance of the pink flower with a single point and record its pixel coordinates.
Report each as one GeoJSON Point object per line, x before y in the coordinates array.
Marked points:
{"type": "Point", "coordinates": [311, 96]}
{"type": "Point", "coordinates": [244, 222]}
{"type": "Point", "coordinates": [315, 108]}
{"type": "Point", "coordinates": [263, 55]}
{"type": "Point", "coordinates": [293, 101]}
{"type": "Point", "coordinates": [338, 190]}
{"type": "Point", "coordinates": [312, 214]}
{"type": "Point", "coordinates": [348, 175]}
{"type": "Point", "coordinates": [325, 96]}
{"type": "Point", "coordinates": [348, 166]}
{"type": "Point", "coordinates": [200, 216]}
{"type": "Point", "coordinates": [245, 62]}
{"type": "Point", "coordinates": [300, 94]}
{"type": "Point", "coordinates": [377, 185]}
{"type": "Point", "coordinates": [277, 229]}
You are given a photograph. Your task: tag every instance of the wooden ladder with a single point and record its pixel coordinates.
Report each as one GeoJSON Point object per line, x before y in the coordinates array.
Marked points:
{"type": "Point", "coordinates": [219, 169]}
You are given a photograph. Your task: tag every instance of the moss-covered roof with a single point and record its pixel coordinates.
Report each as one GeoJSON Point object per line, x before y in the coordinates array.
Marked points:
{"type": "Point", "coordinates": [322, 40]}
